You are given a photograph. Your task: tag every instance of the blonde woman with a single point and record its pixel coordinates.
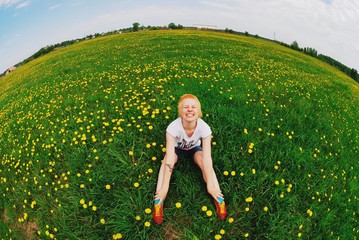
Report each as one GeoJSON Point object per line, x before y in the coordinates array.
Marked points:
{"type": "Point", "coordinates": [183, 139]}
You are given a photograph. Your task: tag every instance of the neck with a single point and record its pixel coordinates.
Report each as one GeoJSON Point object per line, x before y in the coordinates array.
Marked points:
{"type": "Point", "coordinates": [189, 125]}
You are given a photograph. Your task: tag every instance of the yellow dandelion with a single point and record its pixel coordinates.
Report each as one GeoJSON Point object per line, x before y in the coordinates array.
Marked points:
{"type": "Point", "coordinates": [233, 173]}
{"type": "Point", "coordinates": [249, 199]}
{"type": "Point", "coordinates": [148, 210]}
{"type": "Point", "coordinates": [136, 184]}
{"type": "Point", "coordinates": [265, 209]}
{"type": "Point", "coordinates": [138, 218]}
{"type": "Point", "coordinates": [225, 173]}
{"type": "Point", "coordinates": [178, 205]}
{"type": "Point", "coordinates": [230, 220]}
{"type": "Point", "coordinates": [117, 236]}
{"type": "Point", "coordinates": [108, 187]}
{"type": "Point", "coordinates": [209, 213]}
{"type": "Point", "coordinates": [130, 153]}
{"type": "Point", "coordinates": [204, 208]}
{"type": "Point", "coordinates": [147, 224]}
{"type": "Point", "coordinates": [217, 236]}
{"type": "Point", "coordinates": [222, 232]}
{"type": "Point", "coordinates": [102, 221]}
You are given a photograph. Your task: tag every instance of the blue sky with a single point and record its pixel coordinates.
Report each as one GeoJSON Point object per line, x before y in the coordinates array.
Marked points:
{"type": "Point", "coordinates": [329, 26]}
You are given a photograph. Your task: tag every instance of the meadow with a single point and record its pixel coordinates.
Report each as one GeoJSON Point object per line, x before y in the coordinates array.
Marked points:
{"type": "Point", "coordinates": [82, 136]}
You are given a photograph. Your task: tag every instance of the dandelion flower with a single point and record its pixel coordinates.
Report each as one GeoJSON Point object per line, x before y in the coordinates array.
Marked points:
{"type": "Point", "coordinates": [138, 218]}
{"type": "Point", "coordinates": [130, 153]}
{"type": "Point", "coordinates": [246, 235]}
{"type": "Point", "coordinates": [178, 205]}
{"type": "Point", "coordinates": [225, 173]}
{"type": "Point", "coordinates": [147, 224]}
{"type": "Point", "coordinates": [249, 199]}
{"type": "Point", "coordinates": [204, 208]}
{"type": "Point", "coordinates": [217, 236]}
{"type": "Point", "coordinates": [117, 236]}
{"type": "Point", "coordinates": [230, 220]}
{"type": "Point", "coordinates": [265, 209]}
{"type": "Point", "coordinates": [209, 213]}
{"type": "Point", "coordinates": [222, 232]}
{"type": "Point", "coordinates": [108, 187]}
{"type": "Point", "coordinates": [102, 221]}
{"type": "Point", "coordinates": [136, 184]}
{"type": "Point", "coordinates": [276, 182]}
{"type": "Point", "coordinates": [82, 201]}
{"type": "Point", "coordinates": [233, 173]}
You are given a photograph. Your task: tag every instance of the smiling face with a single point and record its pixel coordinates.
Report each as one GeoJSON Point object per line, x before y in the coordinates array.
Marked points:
{"type": "Point", "coordinates": [189, 108]}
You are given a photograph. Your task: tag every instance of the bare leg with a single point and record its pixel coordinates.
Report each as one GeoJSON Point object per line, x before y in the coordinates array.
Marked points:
{"type": "Point", "coordinates": [198, 159]}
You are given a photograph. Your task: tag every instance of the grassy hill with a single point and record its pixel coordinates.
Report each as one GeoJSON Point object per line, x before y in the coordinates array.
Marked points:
{"type": "Point", "coordinates": [82, 134]}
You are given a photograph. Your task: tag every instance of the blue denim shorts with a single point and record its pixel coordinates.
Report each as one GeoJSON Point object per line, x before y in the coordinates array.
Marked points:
{"type": "Point", "coordinates": [187, 153]}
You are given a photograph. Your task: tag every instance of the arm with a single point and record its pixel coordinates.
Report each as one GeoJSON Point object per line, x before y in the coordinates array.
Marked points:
{"type": "Point", "coordinates": [166, 168]}
{"type": "Point", "coordinates": [170, 159]}
{"type": "Point", "coordinates": [207, 160]}
{"type": "Point", "coordinates": [210, 176]}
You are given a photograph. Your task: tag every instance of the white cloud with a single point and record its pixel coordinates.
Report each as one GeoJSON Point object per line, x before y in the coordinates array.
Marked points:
{"type": "Point", "coordinates": [52, 7]}
{"type": "Point", "coordinates": [7, 3]}
{"type": "Point", "coordinates": [23, 5]}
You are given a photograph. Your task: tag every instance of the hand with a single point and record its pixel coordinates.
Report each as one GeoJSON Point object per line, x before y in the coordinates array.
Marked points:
{"type": "Point", "coordinates": [161, 194]}
{"type": "Point", "coordinates": [215, 192]}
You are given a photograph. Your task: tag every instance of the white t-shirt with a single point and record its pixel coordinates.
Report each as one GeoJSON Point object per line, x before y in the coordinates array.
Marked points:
{"type": "Point", "coordinates": [176, 130]}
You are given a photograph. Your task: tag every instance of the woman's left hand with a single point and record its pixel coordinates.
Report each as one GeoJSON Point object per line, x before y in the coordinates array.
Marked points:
{"type": "Point", "coordinates": [215, 192]}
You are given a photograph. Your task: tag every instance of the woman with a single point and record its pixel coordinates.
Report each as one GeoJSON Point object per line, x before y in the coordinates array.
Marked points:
{"type": "Point", "coordinates": [183, 139]}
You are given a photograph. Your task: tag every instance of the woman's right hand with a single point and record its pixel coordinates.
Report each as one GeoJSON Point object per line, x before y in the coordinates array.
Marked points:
{"type": "Point", "coordinates": [161, 194]}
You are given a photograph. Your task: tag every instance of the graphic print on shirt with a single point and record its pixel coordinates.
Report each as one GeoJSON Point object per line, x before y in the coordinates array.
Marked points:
{"type": "Point", "coordinates": [185, 145]}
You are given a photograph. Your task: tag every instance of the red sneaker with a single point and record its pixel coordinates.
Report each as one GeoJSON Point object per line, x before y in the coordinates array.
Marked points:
{"type": "Point", "coordinates": [158, 213]}
{"type": "Point", "coordinates": [221, 209]}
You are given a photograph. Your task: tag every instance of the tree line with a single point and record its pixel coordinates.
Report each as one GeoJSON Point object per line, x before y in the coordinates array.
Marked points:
{"type": "Point", "coordinates": [353, 73]}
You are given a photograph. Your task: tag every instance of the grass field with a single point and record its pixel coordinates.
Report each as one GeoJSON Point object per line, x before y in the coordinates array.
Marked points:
{"type": "Point", "coordinates": [82, 135]}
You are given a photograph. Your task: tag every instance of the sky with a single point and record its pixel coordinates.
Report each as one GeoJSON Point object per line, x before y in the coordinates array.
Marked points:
{"type": "Point", "coordinates": [329, 26]}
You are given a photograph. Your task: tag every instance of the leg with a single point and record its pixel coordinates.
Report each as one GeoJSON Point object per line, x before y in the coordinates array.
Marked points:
{"type": "Point", "coordinates": [198, 159]}
{"type": "Point", "coordinates": [220, 205]}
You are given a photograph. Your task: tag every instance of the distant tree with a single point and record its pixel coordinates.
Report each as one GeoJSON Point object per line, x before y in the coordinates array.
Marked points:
{"type": "Point", "coordinates": [310, 51]}
{"type": "Point", "coordinates": [246, 33]}
{"type": "Point", "coordinates": [295, 45]}
{"type": "Point", "coordinates": [136, 26]}
{"type": "Point", "coordinates": [172, 25]}
{"type": "Point", "coordinates": [229, 30]}
{"type": "Point", "coordinates": [354, 74]}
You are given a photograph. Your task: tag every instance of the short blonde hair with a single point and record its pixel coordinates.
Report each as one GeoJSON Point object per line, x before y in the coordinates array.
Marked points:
{"type": "Point", "coordinates": [191, 96]}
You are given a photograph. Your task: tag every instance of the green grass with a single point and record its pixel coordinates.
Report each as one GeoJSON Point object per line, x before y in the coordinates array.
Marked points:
{"type": "Point", "coordinates": [70, 119]}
